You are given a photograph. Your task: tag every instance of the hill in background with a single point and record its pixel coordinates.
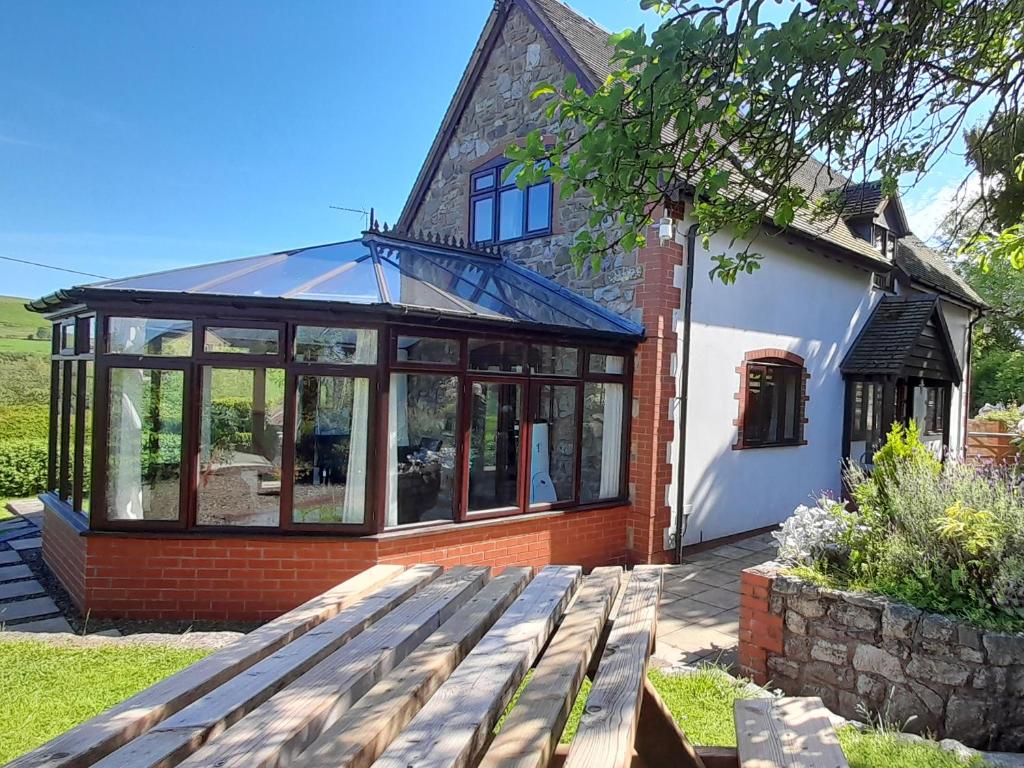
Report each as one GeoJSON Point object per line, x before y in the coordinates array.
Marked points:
{"type": "Point", "coordinates": [22, 330]}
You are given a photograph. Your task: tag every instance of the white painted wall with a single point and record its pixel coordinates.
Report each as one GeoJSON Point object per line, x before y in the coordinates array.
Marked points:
{"type": "Point", "coordinates": [798, 301]}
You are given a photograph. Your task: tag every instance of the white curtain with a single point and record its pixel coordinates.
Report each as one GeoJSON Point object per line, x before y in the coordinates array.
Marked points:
{"type": "Point", "coordinates": [611, 441]}
{"type": "Point", "coordinates": [398, 434]}
{"type": "Point", "coordinates": [353, 508]}
{"type": "Point", "coordinates": [126, 385]}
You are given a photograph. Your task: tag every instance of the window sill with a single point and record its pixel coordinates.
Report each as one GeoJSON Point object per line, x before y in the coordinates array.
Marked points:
{"type": "Point", "coordinates": [743, 447]}
{"type": "Point", "coordinates": [514, 240]}
{"type": "Point", "coordinates": [76, 520]}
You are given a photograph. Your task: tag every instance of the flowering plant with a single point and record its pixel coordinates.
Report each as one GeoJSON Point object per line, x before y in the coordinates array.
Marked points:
{"type": "Point", "coordinates": [811, 533]}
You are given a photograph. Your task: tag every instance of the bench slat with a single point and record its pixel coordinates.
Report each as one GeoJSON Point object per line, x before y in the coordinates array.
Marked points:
{"type": "Point", "coordinates": [276, 731]}
{"type": "Point", "coordinates": [366, 730]}
{"type": "Point", "coordinates": [88, 742]}
{"type": "Point", "coordinates": [454, 725]}
{"type": "Point", "coordinates": [786, 733]}
{"type": "Point", "coordinates": [181, 733]}
{"type": "Point", "coordinates": [530, 733]}
{"type": "Point", "coordinates": [609, 724]}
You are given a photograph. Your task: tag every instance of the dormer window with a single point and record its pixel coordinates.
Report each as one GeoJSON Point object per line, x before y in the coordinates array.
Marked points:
{"type": "Point", "coordinates": [500, 212]}
{"type": "Point", "coordinates": [883, 240]}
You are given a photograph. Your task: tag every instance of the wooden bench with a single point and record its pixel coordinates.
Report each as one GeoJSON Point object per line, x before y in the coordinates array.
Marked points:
{"type": "Point", "coordinates": [415, 667]}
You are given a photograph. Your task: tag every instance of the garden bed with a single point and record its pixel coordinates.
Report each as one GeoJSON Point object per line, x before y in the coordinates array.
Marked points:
{"type": "Point", "coordinates": [870, 657]}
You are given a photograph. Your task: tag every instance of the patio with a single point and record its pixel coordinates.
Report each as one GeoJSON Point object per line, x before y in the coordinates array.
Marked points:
{"type": "Point", "coordinates": [698, 619]}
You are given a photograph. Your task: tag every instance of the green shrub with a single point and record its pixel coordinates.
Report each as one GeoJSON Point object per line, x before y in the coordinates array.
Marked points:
{"type": "Point", "coordinates": [948, 539]}
{"type": "Point", "coordinates": [22, 467]}
{"type": "Point", "coordinates": [20, 422]}
{"type": "Point", "coordinates": [24, 379]}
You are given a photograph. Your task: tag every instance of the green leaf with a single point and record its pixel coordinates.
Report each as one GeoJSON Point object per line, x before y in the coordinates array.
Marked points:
{"type": "Point", "coordinates": [544, 89]}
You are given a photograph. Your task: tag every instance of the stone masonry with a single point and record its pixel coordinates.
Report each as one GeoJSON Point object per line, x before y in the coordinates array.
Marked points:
{"type": "Point", "coordinates": [864, 654]}
{"type": "Point", "coordinates": [641, 285]}
{"type": "Point", "coordinates": [499, 113]}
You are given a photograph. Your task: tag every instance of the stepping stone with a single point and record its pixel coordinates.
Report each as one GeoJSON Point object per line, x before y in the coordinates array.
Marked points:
{"type": "Point", "coordinates": [37, 607]}
{"type": "Point", "coordinates": [8, 525]}
{"type": "Point", "coordinates": [56, 624]}
{"type": "Point", "coordinates": [20, 589]}
{"type": "Point", "coordinates": [12, 572]}
{"type": "Point", "coordinates": [21, 544]}
{"type": "Point", "coordinates": [18, 530]}
{"type": "Point", "coordinates": [9, 556]}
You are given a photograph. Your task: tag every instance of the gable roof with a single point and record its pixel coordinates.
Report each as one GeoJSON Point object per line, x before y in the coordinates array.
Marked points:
{"type": "Point", "coordinates": [582, 45]}
{"type": "Point", "coordinates": [924, 265]}
{"type": "Point", "coordinates": [905, 336]}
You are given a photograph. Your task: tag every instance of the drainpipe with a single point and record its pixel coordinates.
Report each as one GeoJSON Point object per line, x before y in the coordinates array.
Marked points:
{"type": "Point", "coordinates": [967, 383]}
{"type": "Point", "coordinates": [684, 390]}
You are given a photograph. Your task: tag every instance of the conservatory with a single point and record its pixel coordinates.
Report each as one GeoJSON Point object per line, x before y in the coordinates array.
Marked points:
{"type": "Point", "coordinates": [354, 389]}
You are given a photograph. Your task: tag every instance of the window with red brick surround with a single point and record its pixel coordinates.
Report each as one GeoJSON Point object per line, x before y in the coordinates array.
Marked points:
{"type": "Point", "coordinates": [772, 400]}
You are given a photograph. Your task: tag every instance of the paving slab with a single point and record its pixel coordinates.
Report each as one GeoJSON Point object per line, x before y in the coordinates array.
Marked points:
{"type": "Point", "coordinates": [10, 525]}
{"type": "Point", "coordinates": [14, 589]}
{"type": "Point", "coordinates": [36, 607]}
{"type": "Point", "coordinates": [22, 544]}
{"type": "Point", "coordinates": [9, 557]}
{"type": "Point", "coordinates": [18, 530]}
{"type": "Point", "coordinates": [12, 572]}
{"type": "Point", "coordinates": [55, 624]}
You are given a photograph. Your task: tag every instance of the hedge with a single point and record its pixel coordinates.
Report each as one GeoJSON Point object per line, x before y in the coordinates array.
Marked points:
{"type": "Point", "coordinates": [22, 467]}
{"type": "Point", "coordinates": [23, 422]}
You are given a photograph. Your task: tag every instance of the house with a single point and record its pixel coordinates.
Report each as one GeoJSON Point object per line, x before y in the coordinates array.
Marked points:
{"type": "Point", "coordinates": [230, 439]}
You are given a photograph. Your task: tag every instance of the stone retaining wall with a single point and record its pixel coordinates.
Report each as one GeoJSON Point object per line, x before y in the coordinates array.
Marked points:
{"type": "Point", "coordinates": [866, 654]}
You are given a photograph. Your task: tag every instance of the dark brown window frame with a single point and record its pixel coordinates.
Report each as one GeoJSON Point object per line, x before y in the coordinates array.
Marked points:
{"type": "Point", "coordinates": [495, 168]}
{"type": "Point", "coordinates": [379, 375]}
{"type": "Point", "coordinates": [759, 360]}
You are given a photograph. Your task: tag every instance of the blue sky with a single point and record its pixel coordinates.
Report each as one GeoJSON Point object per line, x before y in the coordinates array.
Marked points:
{"type": "Point", "coordinates": [141, 136]}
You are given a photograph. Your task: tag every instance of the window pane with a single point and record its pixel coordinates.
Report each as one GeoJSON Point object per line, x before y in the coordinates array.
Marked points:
{"type": "Point", "coordinates": [56, 387]}
{"type": "Point", "coordinates": [67, 486]}
{"type": "Point", "coordinates": [315, 344]}
{"type": "Point", "coordinates": [554, 361]}
{"type": "Point", "coordinates": [332, 423]}
{"type": "Point", "coordinates": [426, 349]}
{"type": "Point", "coordinates": [144, 444]}
{"type": "Point", "coordinates": [244, 341]}
{"type": "Point", "coordinates": [553, 452]}
{"type": "Point", "coordinates": [510, 214]}
{"type": "Point", "coordinates": [487, 355]}
{"type": "Point", "coordinates": [601, 451]}
{"type": "Point", "coordinates": [494, 446]}
{"type": "Point", "coordinates": [90, 331]}
{"type": "Point", "coordinates": [240, 446]}
{"type": "Point", "coordinates": [538, 207]}
{"type": "Point", "coordinates": [422, 425]}
{"type": "Point", "coordinates": [67, 338]}
{"type": "Point", "coordinates": [86, 427]}
{"type": "Point", "coordinates": [484, 181]}
{"type": "Point", "coordinates": [149, 336]}
{"type": "Point", "coordinates": [601, 363]}
{"type": "Point", "coordinates": [483, 220]}
{"type": "Point", "coordinates": [790, 393]}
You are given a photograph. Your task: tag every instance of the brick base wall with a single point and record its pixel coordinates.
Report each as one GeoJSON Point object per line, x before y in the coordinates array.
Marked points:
{"type": "Point", "coordinates": [64, 550]}
{"type": "Point", "coordinates": [256, 578]}
{"type": "Point", "coordinates": [760, 628]}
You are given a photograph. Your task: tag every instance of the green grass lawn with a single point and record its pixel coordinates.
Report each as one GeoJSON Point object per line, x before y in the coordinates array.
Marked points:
{"type": "Point", "coordinates": [46, 689]}
{"type": "Point", "coordinates": [31, 346]}
{"type": "Point", "coordinates": [702, 704]}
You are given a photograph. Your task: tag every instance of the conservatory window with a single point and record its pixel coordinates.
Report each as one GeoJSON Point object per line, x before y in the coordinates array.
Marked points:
{"type": "Point", "coordinates": [241, 427]}
{"type": "Point", "coordinates": [494, 445]}
{"type": "Point", "coordinates": [149, 336]}
{"type": "Point", "coordinates": [601, 447]}
{"type": "Point", "coordinates": [241, 341]}
{"type": "Point", "coordinates": [423, 438]}
{"type": "Point", "coordinates": [338, 346]}
{"type": "Point", "coordinates": [330, 471]}
{"type": "Point", "coordinates": [144, 448]}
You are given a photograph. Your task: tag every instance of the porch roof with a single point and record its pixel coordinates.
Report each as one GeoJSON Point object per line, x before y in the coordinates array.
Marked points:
{"type": "Point", "coordinates": [380, 270]}
{"type": "Point", "coordinates": [905, 336]}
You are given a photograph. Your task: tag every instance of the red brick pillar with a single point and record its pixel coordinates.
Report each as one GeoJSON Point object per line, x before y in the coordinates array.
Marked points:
{"type": "Point", "coordinates": [654, 387]}
{"type": "Point", "coordinates": [760, 629]}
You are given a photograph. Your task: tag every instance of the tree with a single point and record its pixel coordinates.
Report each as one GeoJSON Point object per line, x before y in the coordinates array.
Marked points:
{"type": "Point", "coordinates": [724, 105]}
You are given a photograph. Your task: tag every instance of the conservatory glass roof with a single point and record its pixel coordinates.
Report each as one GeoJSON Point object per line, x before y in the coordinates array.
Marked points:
{"type": "Point", "coordinates": [380, 270]}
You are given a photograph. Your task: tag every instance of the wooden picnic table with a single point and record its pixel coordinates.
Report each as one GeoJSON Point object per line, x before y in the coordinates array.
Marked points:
{"type": "Point", "coordinates": [415, 666]}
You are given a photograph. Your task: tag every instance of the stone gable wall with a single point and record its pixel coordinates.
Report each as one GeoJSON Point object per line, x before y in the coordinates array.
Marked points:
{"type": "Point", "coordinates": [498, 113]}
{"type": "Point", "coordinates": [861, 653]}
